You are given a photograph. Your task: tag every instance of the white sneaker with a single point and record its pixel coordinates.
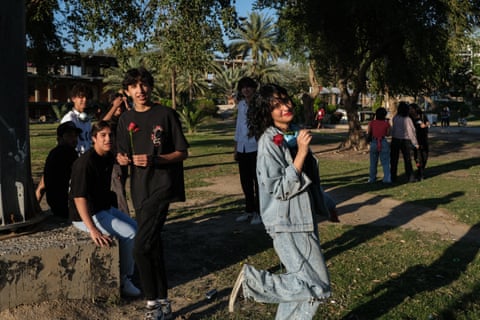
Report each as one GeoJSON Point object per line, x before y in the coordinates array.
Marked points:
{"type": "Point", "coordinates": [256, 219]}
{"type": "Point", "coordinates": [129, 289]}
{"type": "Point", "coordinates": [166, 307]}
{"type": "Point", "coordinates": [244, 217]}
{"type": "Point", "coordinates": [154, 313]}
{"type": "Point", "coordinates": [236, 289]}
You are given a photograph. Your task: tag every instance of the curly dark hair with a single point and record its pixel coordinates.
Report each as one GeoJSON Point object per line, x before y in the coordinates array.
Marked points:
{"type": "Point", "coordinates": [259, 115]}
{"type": "Point", "coordinates": [81, 90]}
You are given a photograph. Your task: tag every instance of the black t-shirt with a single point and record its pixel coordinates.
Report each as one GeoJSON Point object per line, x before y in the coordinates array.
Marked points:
{"type": "Point", "coordinates": [159, 132]}
{"type": "Point", "coordinates": [56, 175]}
{"type": "Point", "coordinates": [91, 176]}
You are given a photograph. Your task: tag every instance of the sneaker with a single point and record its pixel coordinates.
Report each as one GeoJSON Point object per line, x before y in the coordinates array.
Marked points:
{"type": "Point", "coordinates": [166, 307]}
{"type": "Point", "coordinates": [129, 289]}
{"type": "Point", "coordinates": [236, 289]}
{"type": "Point", "coordinates": [154, 313]}
{"type": "Point", "coordinates": [244, 217]}
{"type": "Point", "coordinates": [256, 219]}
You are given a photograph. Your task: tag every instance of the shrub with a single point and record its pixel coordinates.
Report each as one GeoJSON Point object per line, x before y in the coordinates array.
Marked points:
{"type": "Point", "coordinates": [208, 106]}
{"type": "Point", "coordinates": [192, 117]}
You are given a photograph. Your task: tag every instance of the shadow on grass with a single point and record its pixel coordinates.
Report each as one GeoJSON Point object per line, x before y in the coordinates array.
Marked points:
{"type": "Point", "coordinates": [199, 244]}
{"type": "Point", "coordinates": [420, 278]}
{"type": "Point", "coordinates": [398, 216]}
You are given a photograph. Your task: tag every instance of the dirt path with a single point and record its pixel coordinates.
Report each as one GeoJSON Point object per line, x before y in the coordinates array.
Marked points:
{"type": "Point", "coordinates": [357, 208]}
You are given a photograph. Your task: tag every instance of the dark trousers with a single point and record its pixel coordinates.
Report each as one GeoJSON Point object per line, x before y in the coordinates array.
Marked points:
{"type": "Point", "coordinates": [247, 166]}
{"type": "Point", "coordinates": [404, 146]}
{"type": "Point", "coordinates": [421, 157]}
{"type": "Point", "coordinates": [148, 251]}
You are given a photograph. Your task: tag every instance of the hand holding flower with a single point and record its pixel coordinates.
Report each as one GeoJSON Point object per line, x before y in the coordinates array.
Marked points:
{"type": "Point", "coordinates": [132, 128]}
{"type": "Point", "coordinates": [142, 160]}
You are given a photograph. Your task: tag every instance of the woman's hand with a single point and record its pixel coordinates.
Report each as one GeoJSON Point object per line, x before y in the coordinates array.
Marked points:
{"type": "Point", "coordinates": [303, 140]}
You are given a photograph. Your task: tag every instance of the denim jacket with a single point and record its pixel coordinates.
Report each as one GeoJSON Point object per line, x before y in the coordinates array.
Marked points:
{"type": "Point", "coordinates": [285, 203]}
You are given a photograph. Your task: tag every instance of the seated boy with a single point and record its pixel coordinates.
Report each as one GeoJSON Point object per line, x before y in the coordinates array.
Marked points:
{"type": "Point", "coordinates": [92, 210]}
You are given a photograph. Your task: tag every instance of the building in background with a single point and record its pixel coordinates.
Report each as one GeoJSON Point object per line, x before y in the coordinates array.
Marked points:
{"type": "Point", "coordinates": [49, 93]}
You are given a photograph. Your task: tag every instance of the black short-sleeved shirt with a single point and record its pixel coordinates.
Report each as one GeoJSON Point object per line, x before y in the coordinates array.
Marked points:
{"type": "Point", "coordinates": [56, 175]}
{"type": "Point", "coordinates": [91, 177]}
{"type": "Point", "coordinates": [159, 132]}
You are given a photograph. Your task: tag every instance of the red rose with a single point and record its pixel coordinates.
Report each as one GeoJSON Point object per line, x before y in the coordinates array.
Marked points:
{"type": "Point", "coordinates": [132, 127]}
{"type": "Point", "coordinates": [278, 139]}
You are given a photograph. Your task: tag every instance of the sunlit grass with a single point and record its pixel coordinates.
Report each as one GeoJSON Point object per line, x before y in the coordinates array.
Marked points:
{"type": "Point", "coordinates": [376, 272]}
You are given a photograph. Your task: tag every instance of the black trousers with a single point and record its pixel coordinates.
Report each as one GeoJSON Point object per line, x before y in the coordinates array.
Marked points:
{"type": "Point", "coordinates": [404, 146]}
{"type": "Point", "coordinates": [421, 157]}
{"type": "Point", "coordinates": [148, 251]}
{"type": "Point", "coordinates": [247, 166]}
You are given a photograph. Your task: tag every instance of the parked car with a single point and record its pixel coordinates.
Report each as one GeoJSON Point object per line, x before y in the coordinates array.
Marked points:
{"type": "Point", "coordinates": [363, 116]}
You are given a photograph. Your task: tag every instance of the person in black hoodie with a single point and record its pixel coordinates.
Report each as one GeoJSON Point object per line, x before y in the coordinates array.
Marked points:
{"type": "Point", "coordinates": [421, 129]}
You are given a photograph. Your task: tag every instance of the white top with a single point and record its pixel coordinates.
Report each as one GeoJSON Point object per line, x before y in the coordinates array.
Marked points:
{"type": "Point", "coordinates": [244, 142]}
{"type": "Point", "coordinates": [84, 139]}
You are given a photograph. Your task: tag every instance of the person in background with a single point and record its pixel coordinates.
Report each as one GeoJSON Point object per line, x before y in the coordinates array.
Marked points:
{"type": "Point", "coordinates": [403, 140]}
{"type": "Point", "coordinates": [150, 139]}
{"type": "Point", "coordinates": [55, 181]}
{"type": "Point", "coordinates": [91, 207]}
{"type": "Point", "coordinates": [445, 117]}
{"type": "Point", "coordinates": [118, 105]}
{"type": "Point", "coordinates": [290, 197]}
{"type": "Point", "coordinates": [320, 116]}
{"type": "Point", "coordinates": [379, 129]}
{"type": "Point", "coordinates": [80, 94]}
{"type": "Point", "coordinates": [421, 128]}
{"type": "Point", "coordinates": [245, 152]}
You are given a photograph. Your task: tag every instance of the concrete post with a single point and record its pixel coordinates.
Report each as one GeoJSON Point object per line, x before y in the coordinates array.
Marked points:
{"type": "Point", "coordinates": [18, 205]}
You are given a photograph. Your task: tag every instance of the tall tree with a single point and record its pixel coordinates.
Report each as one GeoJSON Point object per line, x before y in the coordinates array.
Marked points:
{"type": "Point", "coordinates": [406, 46]}
{"type": "Point", "coordinates": [255, 38]}
{"type": "Point", "coordinates": [189, 30]}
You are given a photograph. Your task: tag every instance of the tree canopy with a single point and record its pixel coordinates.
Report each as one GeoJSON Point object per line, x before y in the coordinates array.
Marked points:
{"type": "Point", "coordinates": [401, 46]}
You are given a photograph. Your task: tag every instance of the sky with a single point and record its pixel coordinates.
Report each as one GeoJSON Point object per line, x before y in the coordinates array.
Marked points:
{"type": "Point", "coordinates": [244, 8]}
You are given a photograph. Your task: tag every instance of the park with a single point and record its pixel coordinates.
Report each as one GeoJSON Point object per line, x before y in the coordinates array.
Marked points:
{"type": "Point", "coordinates": [401, 251]}
{"type": "Point", "coordinates": [408, 250]}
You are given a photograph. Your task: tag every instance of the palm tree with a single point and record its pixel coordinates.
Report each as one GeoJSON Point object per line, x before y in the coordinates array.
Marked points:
{"type": "Point", "coordinates": [256, 38]}
{"type": "Point", "coordinates": [225, 80]}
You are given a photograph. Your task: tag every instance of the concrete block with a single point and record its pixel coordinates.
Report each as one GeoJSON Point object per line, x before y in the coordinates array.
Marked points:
{"type": "Point", "coordinates": [56, 262]}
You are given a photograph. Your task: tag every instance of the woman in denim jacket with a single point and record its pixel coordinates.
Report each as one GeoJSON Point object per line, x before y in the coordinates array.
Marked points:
{"type": "Point", "coordinates": [289, 201]}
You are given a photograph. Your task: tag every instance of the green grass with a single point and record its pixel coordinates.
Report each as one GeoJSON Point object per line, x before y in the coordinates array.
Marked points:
{"type": "Point", "coordinates": [376, 272]}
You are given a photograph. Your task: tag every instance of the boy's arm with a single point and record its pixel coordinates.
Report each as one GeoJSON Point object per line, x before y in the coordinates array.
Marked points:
{"type": "Point", "coordinates": [97, 236]}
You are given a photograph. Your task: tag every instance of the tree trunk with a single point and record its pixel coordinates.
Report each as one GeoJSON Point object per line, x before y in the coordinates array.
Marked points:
{"type": "Point", "coordinates": [190, 88]}
{"type": "Point", "coordinates": [18, 205]}
{"type": "Point", "coordinates": [356, 135]}
{"type": "Point", "coordinates": [174, 88]}
{"type": "Point", "coordinates": [309, 99]}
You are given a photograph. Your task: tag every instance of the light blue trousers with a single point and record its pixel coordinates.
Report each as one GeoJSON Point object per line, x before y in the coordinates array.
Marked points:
{"type": "Point", "coordinates": [118, 224]}
{"type": "Point", "coordinates": [298, 291]}
{"type": "Point", "coordinates": [384, 155]}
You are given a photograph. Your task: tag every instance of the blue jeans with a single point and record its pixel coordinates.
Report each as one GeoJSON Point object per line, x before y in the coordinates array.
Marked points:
{"type": "Point", "coordinates": [118, 224]}
{"type": "Point", "coordinates": [384, 155]}
{"type": "Point", "coordinates": [298, 292]}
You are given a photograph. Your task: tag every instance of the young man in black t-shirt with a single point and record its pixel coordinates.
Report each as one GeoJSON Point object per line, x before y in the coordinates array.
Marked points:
{"type": "Point", "coordinates": [91, 209]}
{"type": "Point", "coordinates": [55, 181]}
{"type": "Point", "coordinates": [150, 139]}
